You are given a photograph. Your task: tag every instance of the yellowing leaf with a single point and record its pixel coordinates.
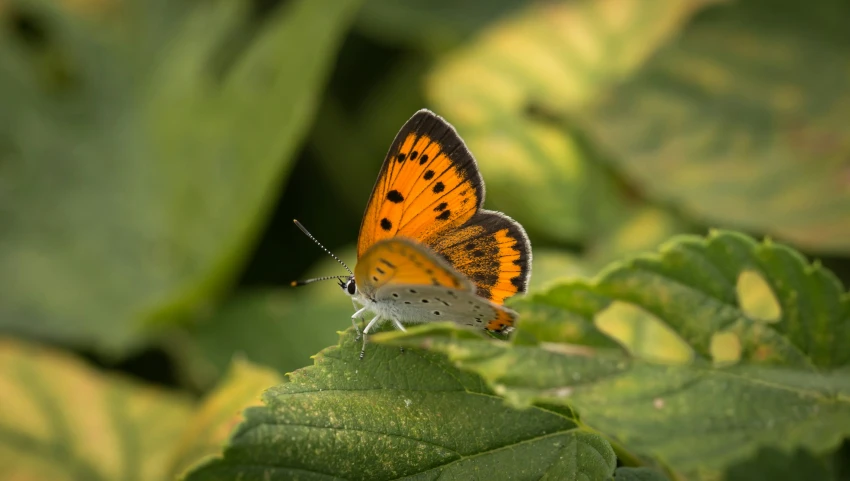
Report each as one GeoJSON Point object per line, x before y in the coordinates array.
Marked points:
{"type": "Point", "coordinates": [211, 425]}
{"type": "Point", "coordinates": [500, 89]}
{"type": "Point", "coordinates": [60, 419]}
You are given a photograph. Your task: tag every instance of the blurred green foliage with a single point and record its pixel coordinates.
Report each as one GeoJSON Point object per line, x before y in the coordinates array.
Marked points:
{"type": "Point", "coordinates": [154, 152]}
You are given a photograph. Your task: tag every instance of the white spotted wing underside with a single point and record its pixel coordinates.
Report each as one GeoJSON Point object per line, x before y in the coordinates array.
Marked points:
{"type": "Point", "coordinates": [419, 303]}
{"type": "Point", "coordinates": [407, 282]}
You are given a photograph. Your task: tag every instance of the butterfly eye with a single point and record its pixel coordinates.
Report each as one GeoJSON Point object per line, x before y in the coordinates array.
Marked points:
{"type": "Point", "coordinates": [351, 287]}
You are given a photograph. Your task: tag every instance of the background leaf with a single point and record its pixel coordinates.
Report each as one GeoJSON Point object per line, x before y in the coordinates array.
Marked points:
{"type": "Point", "coordinates": [401, 415]}
{"type": "Point", "coordinates": [638, 474]}
{"type": "Point", "coordinates": [430, 25]}
{"type": "Point", "coordinates": [279, 328]}
{"type": "Point", "coordinates": [741, 122]}
{"type": "Point", "coordinates": [63, 420]}
{"type": "Point", "coordinates": [210, 426]}
{"type": "Point", "coordinates": [789, 388]}
{"type": "Point", "coordinates": [259, 326]}
{"type": "Point", "coordinates": [148, 170]}
{"type": "Point", "coordinates": [499, 90]}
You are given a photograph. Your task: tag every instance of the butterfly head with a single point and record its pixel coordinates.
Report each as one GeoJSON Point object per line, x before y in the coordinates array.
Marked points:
{"type": "Point", "coordinates": [345, 282]}
{"type": "Point", "coordinates": [348, 285]}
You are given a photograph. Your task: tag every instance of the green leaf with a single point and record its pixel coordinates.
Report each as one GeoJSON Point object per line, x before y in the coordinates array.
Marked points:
{"type": "Point", "coordinates": [741, 122]}
{"type": "Point", "coordinates": [774, 465]}
{"type": "Point", "coordinates": [400, 415]}
{"type": "Point", "coordinates": [351, 145]}
{"type": "Point", "coordinates": [274, 328]}
{"type": "Point", "coordinates": [210, 426]}
{"type": "Point", "coordinates": [786, 387]}
{"type": "Point", "coordinates": [137, 170]}
{"type": "Point", "coordinates": [63, 420]}
{"type": "Point", "coordinates": [500, 89]}
{"type": "Point", "coordinates": [279, 328]}
{"type": "Point", "coordinates": [638, 474]}
{"type": "Point", "coordinates": [429, 24]}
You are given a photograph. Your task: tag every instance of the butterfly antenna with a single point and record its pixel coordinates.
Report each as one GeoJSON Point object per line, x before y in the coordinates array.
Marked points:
{"type": "Point", "coordinates": [317, 279]}
{"type": "Point", "coordinates": [308, 234]}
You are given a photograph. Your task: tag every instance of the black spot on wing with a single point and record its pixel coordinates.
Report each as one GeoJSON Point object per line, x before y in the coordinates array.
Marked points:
{"type": "Point", "coordinates": [444, 215]}
{"type": "Point", "coordinates": [386, 224]}
{"type": "Point", "coordinates": [440, 132]}
{"type": "Point", "coordinates": [427, 123]}
{"type": "Point", "coordinates": [395, 196]}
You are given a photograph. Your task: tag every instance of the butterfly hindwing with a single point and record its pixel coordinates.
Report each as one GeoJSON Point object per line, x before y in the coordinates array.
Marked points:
{"type": "Point", "coordinates": [401, 261]}
{"type": "Point", "coordinates": [428, 303]}
{"type": "Point", "coordinates": [429, 183]}
{"type": "Point", "coordinates": [493, 251]}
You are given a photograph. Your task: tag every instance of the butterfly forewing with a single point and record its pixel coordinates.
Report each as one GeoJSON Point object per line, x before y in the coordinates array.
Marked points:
{"type": "Point", "coordinates": [430, 191]}
{"type": "Point", "coordinates": [429, 183]}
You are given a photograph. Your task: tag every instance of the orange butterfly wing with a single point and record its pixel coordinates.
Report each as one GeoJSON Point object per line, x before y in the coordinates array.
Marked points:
{"type": "Point", "coordinates": [401, 261]}
{"type": "Point", "coordinates": [430, 190]}
{"type": "Point", "coordinates": [402, 272]}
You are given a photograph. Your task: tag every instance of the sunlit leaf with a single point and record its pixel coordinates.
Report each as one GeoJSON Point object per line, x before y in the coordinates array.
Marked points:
{"type": "Point", "coordinates": [62, 420]}
{"type": "Point", "coordinates": [787, 386]}
{"type": "Point", "coordinates": [500, 89]}
{"type": "Point", "coordinates": [742, 122]}
{"type": "Point", "coordinates": [210, 426]}
{"type": "Point", "coordinates": [398, 415]}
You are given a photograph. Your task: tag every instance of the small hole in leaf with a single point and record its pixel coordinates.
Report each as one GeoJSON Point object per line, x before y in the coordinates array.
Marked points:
{"type": "Point", "coordinates": [725, 348]}
{"type": "Point", "coordinates": [643, 334]}
{"type": "Point", "coordinates": [756, 298]}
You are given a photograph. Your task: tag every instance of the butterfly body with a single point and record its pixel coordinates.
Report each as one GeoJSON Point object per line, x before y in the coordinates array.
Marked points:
{"type": "Point", "coordinates": [427, 250]}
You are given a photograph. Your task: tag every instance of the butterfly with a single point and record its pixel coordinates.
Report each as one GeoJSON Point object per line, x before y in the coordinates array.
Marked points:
{"type": "Point", "coordinates": [427, 250]}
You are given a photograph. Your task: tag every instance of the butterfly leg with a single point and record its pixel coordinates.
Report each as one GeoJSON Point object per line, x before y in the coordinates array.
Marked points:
{"type": "Point", "coordinates": [400, 327]}
{"type": "Point", "coordinates": [357, 315]}
{"type": "Point", "coordinates": [366, 331]}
